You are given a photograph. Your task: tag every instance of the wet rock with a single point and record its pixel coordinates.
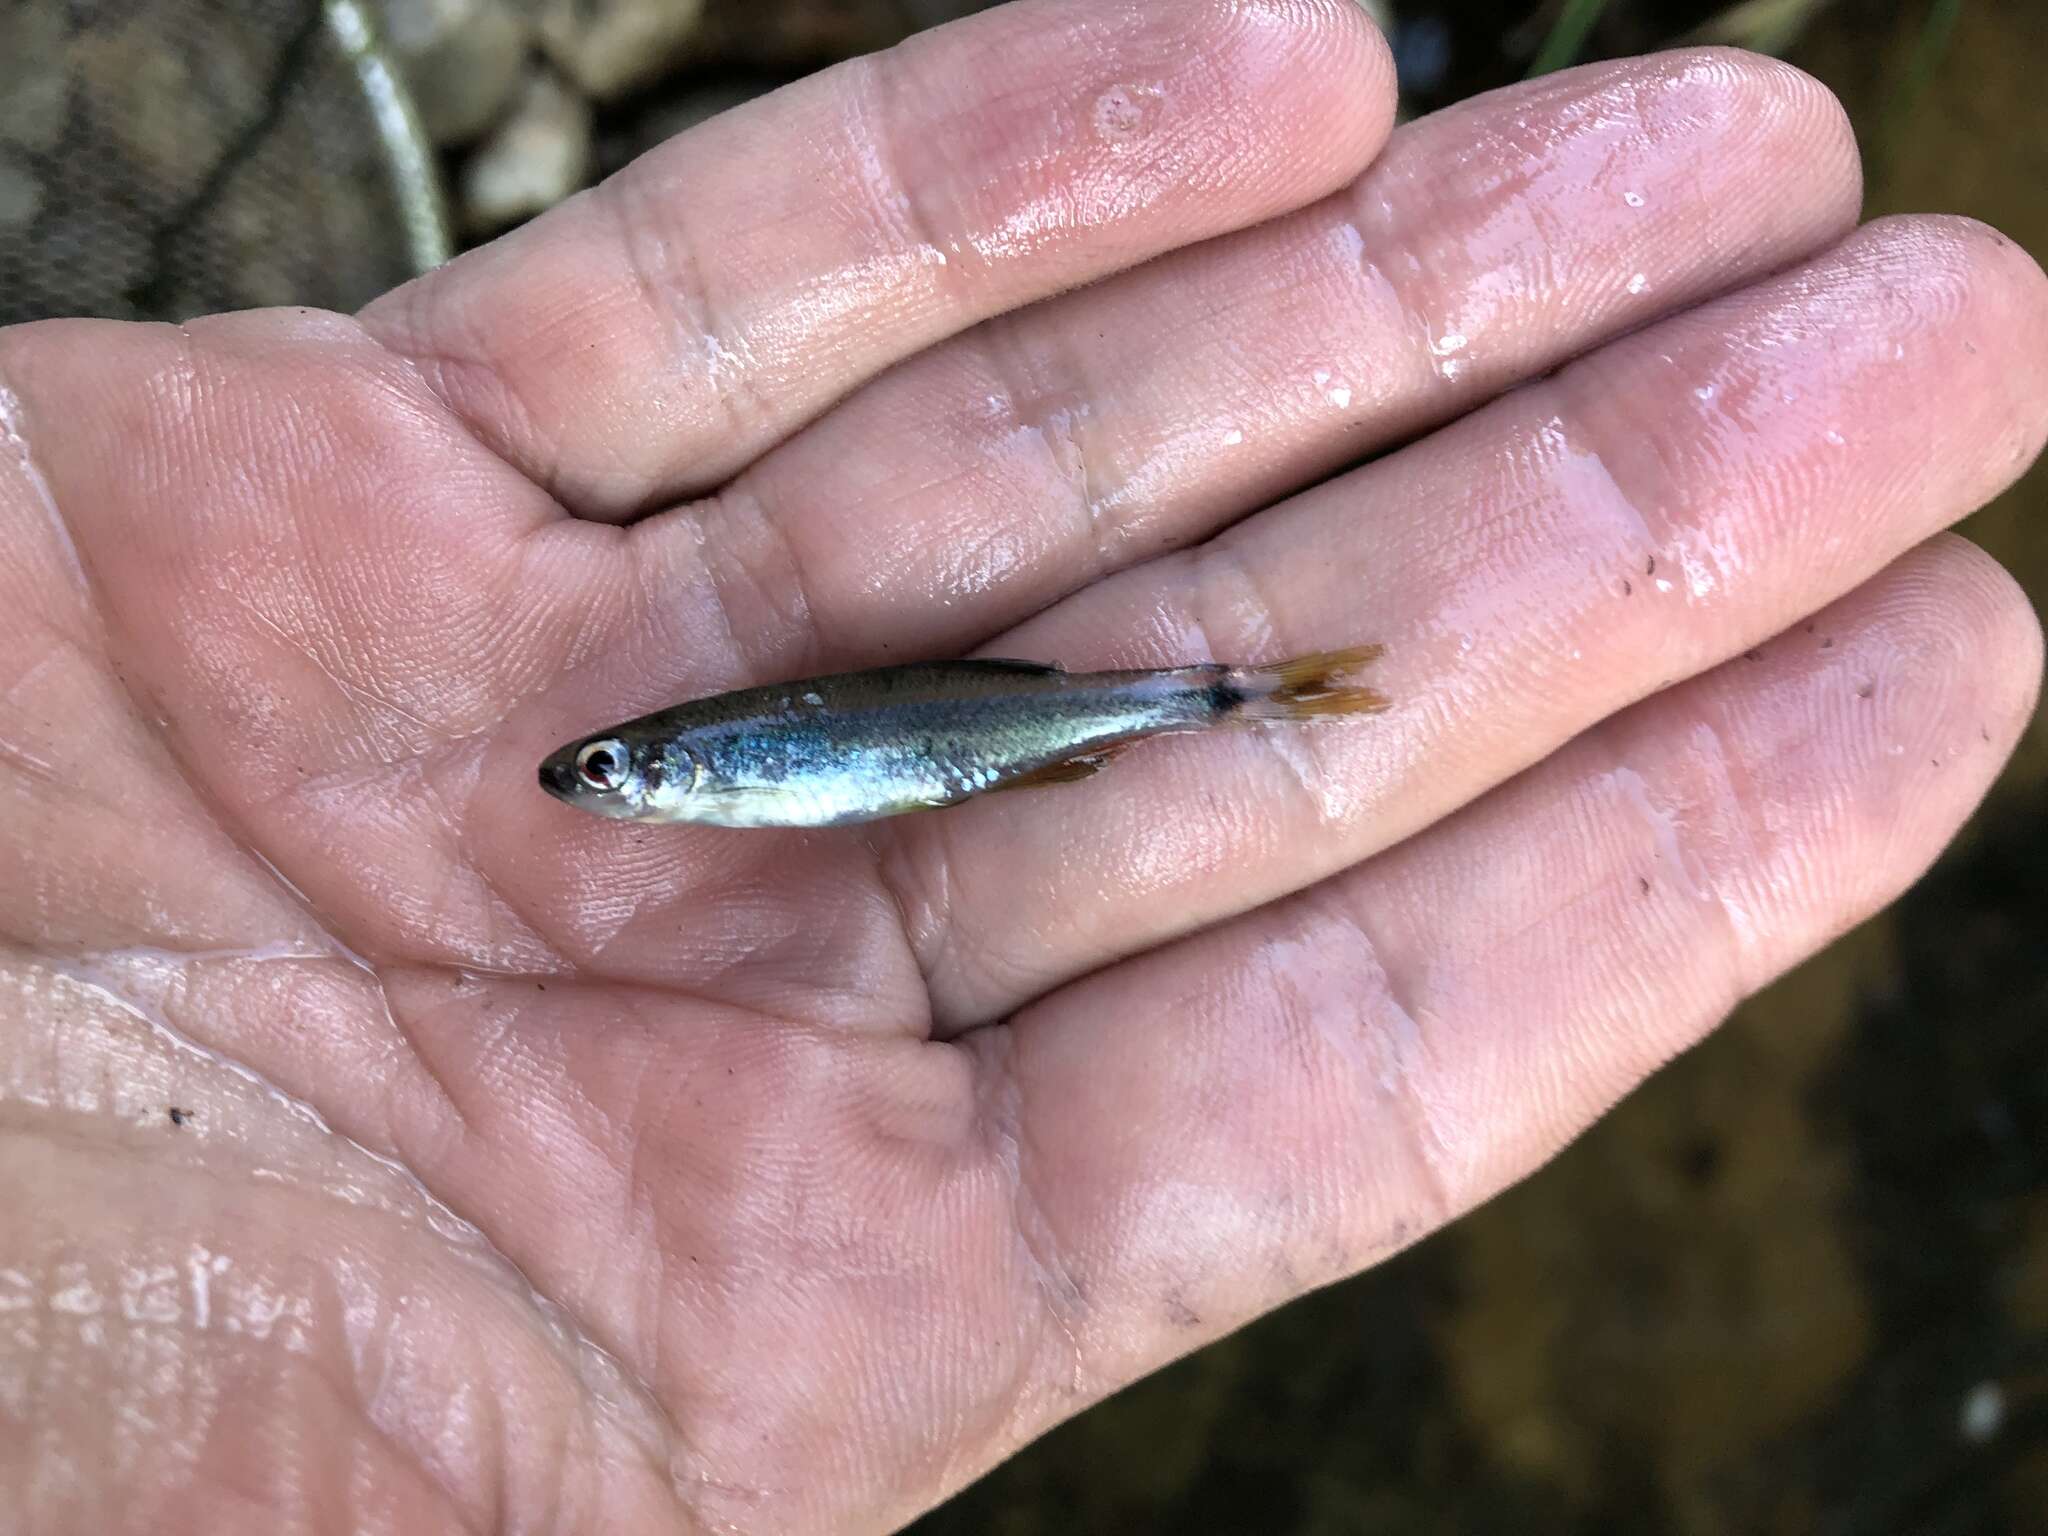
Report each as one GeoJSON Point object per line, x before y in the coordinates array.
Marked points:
{"type": "Point", "coordinates": [533, 159]}
{"type": "Point", "coordinates": [21, 193]}
{"type": "Point", "coordinates": [168, 103]}
{"type": "Point", "coordinates": [609, 47]}
{"type": "Point", "coordinates": [38, 75]}
{"type": "Point", "coordinates": [461, 60]}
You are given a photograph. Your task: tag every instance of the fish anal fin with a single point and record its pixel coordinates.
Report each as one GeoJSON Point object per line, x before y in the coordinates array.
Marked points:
{"type": "Point", "coordinates": [1068, 770]}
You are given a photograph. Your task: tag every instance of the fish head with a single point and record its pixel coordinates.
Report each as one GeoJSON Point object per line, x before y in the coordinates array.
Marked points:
{"type": "Point", "coordinates": [625, 775]}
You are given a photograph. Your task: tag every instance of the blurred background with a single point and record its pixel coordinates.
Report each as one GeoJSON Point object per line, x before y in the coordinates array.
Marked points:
{"type": "Point", "coordinates": [1799, 1283]}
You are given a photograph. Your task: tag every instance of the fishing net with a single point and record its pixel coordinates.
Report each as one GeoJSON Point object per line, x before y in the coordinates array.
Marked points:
{"type": "Point", "coordinates": [165, 158]}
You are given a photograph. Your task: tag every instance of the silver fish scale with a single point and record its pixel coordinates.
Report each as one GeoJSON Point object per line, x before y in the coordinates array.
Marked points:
{"type": "Point", "coordinates": [843, 760]}
{"type": "Point", "coordinates": [857, 746]}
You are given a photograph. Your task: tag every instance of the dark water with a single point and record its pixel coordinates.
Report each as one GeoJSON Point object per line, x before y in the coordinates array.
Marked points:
{"type": "Point", "coordinates": [1799, 1282]}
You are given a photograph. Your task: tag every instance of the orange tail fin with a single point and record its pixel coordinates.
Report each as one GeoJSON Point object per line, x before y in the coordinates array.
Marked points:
{"type": "Point", "coordinates": [1304, 688]}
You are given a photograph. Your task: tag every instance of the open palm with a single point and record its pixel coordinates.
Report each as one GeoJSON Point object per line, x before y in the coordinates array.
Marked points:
{"type": "Point", "coordinates": [388, 1147]}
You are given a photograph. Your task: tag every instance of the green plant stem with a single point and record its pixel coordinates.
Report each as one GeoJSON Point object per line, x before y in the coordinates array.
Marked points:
{"type": "Point", "coordinates": [1567, 36]}
{"type": "Point", "coordinates": [1936, 33]}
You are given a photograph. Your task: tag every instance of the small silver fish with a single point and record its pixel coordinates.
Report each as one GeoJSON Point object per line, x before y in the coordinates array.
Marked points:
{"type": "Point", "coordinates": [859, 746]}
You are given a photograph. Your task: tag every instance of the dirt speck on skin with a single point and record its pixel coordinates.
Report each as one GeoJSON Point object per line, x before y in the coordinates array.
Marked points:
{"type": "Point", "coordinates": [178, 1116]}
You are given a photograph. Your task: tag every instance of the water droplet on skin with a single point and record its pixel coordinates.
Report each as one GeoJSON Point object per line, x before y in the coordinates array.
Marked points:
{"type": "Point", "coordinates": [1705, 392]}
{"type": "Point", "coordinates": [1898, 351]}
{"type": "Point", "coordinates": [1834, 437]}
{"type": "Point", "coordinates": [1639, 283]}
{"type": "Point", "coordinates": [1464, 643]}
{"type": "Point", "coordinates": [1633, 199]}
{"type": "Point", "coordinates": [1337, 393]}
{"type": "Point", "coordinates": [1442, 349]}
{"type": "Point", "coordinates": [1232, 438]}
{"type": "Point", "coordinates": [1663, 585]}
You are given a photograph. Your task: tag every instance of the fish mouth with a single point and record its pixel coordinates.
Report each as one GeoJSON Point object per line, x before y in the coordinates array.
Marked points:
{"type": "Point", "coordinates": [558, 778]}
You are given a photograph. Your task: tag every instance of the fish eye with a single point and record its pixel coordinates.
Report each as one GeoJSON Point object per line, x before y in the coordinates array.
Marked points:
{"type": "Point", "coordinates": [603, 764]}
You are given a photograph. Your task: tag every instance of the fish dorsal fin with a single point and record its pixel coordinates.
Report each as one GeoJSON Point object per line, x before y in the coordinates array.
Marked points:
{"type": "Point", "coordinates": [1009, 664]}
{"type": "Point", "coordinates": [1067, 770]}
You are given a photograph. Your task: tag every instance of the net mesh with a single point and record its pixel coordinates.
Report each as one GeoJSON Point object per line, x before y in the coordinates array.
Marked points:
{"type": "Point", "coordinates": [165, 158]}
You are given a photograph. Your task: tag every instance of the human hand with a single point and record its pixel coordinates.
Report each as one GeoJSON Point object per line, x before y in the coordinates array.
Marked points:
{"type": "Point", "coordinates": [389, 1147]}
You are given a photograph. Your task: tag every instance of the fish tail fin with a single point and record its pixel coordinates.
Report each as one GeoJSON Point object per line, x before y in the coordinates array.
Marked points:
{"type": "Point", "coordinates": [1306, 688]}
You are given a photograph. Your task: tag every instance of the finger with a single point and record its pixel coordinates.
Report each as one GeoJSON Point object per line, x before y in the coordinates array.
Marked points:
{"type": "Point", "coordinates": [1659, 506]}
{"type": "Point", "coordinates": [282, 621]}
{"type": "Point", "coordinates": [309, 1313]}
{"type": "Point", "coordinates": [1208, 1131]}
{"type": "Point", "coordinates": [991, 475]}
{"type": "Point", "coordinates": [361, 687]}
{"type": "Point", "coordinates": [649, 338]}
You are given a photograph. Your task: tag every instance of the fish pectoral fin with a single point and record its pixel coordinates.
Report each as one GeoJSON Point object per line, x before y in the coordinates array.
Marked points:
{"type": "Point", "coordinates": [1068, 770]}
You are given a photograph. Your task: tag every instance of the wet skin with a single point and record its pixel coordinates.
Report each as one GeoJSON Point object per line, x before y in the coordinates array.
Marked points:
{"type": "Point", "coordinates": [680, 1178]}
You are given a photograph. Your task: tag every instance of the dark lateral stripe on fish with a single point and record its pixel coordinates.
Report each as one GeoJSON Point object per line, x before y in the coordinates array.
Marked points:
{"type": "Point", "coordinates": [856, 746]}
